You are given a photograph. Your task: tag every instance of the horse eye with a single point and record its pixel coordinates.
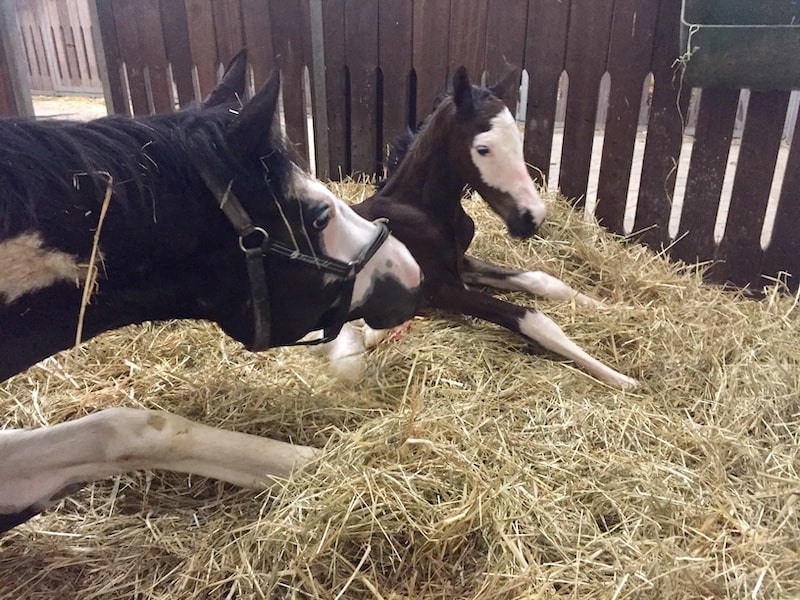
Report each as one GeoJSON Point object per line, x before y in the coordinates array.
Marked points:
{"type": "Point", "coordinates": [321, 222]}
{"type": "Point", "coordinates": [482, 150]}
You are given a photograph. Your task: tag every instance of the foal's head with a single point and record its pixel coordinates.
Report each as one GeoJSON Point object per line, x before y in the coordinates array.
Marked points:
{"type": "Point", "coordinates": [322, 263]}
{"type": "Point", "coordinates": [488, 151]}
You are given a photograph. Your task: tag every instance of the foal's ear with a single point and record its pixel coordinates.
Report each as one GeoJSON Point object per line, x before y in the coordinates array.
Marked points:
{"type": "Point", "coordinates": [462, 93]}
{"type": "Point", "coordinates": [249, 133]}
{"type": "Point", "coordinates": [230, 88]}
{"type": "Point", "coordinates": [508, 83]}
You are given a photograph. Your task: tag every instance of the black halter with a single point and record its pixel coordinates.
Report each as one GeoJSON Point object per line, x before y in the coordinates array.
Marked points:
{"type": "Point", "coordinates": [255, 243]}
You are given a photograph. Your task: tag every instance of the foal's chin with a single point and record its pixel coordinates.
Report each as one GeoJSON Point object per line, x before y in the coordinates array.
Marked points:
{"type": "Point", "coordinates": [521, 223]}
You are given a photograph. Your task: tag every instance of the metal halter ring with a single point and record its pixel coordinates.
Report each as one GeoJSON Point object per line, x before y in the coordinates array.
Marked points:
{"type": "Point", "coordinates": [254, 229]}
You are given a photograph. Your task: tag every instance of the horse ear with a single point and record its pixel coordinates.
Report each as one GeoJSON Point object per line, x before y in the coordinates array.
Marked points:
{"type": "Point", "coordinates": [508, 83]}
{"type": "Point", "coordinates": [250, 131]}
{"type": "Point", "coordinates": [230, 88]}
{"type": "Point", "coordinates": [462, 92]}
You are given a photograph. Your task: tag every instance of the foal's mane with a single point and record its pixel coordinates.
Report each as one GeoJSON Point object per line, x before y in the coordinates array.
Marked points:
{"type": "Point", "coordinates": [61, 162]}
{"type": "Point", "coordinates": [400, 147]}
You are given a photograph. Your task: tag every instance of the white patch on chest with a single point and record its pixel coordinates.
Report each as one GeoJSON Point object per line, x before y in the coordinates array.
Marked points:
{"type": "Point", "coordinates": [25, 266]}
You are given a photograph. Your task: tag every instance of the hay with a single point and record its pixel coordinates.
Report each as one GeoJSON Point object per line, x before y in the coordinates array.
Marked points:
{"type": "Point", "coordinates": [464, 465]}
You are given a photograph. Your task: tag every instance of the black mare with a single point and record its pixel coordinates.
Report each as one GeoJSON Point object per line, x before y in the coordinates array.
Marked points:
{"type": "Point", "coordinates": [282, 257]}
{"type": "Point", "coordinates": [469, 140]}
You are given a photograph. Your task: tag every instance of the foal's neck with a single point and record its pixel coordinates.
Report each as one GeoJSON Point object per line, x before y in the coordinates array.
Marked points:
{"type": "Point", "coordinates": [427, 176]}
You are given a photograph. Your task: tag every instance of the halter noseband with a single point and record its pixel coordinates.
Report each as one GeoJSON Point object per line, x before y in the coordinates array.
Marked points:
{"type": "Point", "coordinates": [256, 244]}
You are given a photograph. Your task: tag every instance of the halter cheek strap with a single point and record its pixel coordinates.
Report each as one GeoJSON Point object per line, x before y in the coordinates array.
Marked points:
{"type": "Point", "coordinates": [254, 254]}
{"type": "Point", "coordinates": [256, 244]}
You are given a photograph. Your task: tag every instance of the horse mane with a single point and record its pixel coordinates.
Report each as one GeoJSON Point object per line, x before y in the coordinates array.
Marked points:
{"type": "Point", "coordinates": [399, 147]}
{"type": "Point", "coordinates": [64, 162]}
{"type": "Point", "coordinates": [395, 153]}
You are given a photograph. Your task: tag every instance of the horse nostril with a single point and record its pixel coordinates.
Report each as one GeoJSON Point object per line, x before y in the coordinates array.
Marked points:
{"type": "Point", "coordinates": [524, 227]}
{"type": "Point", "coordinates": [528, 219]}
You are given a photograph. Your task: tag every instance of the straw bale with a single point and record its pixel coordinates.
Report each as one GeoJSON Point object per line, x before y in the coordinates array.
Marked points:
{"type": "Point", "coordinates": [466, 464]}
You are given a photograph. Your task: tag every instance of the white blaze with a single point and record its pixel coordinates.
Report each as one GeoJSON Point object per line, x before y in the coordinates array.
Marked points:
{"type": "Point", "coordinates": [348, 234]}
{"type": "Point", "coordinates": [503, 167]}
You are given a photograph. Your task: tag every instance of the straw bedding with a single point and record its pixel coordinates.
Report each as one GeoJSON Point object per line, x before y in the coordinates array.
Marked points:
{"type": "Point", "coordinates": [466, 464]}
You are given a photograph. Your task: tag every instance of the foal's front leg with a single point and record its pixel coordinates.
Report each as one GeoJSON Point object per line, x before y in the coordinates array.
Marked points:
{"type": "Point", "coordinates": [40, 466]}
{"type": "Point", "coordinates": [529, 322]}
{"type": "Point", "coordinates": [481, 273]}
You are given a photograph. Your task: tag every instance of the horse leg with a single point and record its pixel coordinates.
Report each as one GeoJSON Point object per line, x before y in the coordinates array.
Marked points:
{"type": "Point", "coordinates": [529, 322]}
{"type": "Point", "coordinates": [40, 466]}
{"type": "Point", "coordinates": [538, 283]}
{"type": "Point", "coordinates": [345, 353]}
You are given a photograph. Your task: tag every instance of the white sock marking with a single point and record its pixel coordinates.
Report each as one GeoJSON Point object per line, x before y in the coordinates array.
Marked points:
{"type": "Point", "coordinates": [543, 330]}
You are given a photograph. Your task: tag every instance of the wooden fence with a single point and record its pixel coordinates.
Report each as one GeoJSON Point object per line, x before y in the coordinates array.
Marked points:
{"type": "Point", "coordinates": [58, 46]}
{"type": "Point", "coordinates": [360, 71]}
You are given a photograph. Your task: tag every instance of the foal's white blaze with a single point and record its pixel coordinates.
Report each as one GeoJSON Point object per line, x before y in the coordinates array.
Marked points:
{"type": "Point", "coordinates": [503, 168]}
{"type": "Point", "coordinates": [26, 266]}
{"type": "Point", "coordinates": [347, 234]}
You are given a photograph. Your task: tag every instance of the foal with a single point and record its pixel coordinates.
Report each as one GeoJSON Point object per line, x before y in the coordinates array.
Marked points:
{"type": "Point", "coordinates": [470, 140]}
{"type": "Point", "coordinates": [282, 257]}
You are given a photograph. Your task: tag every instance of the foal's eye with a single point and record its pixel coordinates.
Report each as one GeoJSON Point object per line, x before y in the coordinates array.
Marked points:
{"type": "Point", "coordinates": [482, 150]}
{"type": "Point", "coordinates": [321, 222]}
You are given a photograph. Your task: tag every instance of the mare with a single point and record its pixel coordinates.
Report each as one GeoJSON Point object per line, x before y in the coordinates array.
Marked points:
{"type": "Point", "coordinates": [282, 257]}
{"type": "Point", "coordinates": [469, 140]}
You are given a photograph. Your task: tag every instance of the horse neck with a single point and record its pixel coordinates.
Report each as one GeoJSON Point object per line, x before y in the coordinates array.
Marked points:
{"type": "Point", "coordinates": [427, 176]}
{"type": "Point", "coordinates": [160, 232]}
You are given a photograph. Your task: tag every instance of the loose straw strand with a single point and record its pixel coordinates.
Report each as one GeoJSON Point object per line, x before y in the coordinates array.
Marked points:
{"type": "Point", "coordinates": [91, 275]}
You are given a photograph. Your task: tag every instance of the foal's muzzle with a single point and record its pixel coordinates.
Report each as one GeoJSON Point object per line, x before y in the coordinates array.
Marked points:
{"type": "Point", "coordinates": [523, 225]}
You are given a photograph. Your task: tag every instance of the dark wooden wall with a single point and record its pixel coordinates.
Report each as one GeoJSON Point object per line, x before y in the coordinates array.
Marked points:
{"type": "Point", "coordinates": [361, 71]}
{"type": "Point", "coordinates": [161, 55]}
{"type": "Point", "coordinates": [15, 97]}
{"type": "Point", "coordinates": [58, 46]}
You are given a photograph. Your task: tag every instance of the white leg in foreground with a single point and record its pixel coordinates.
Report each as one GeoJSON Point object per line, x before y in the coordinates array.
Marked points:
{"type": "Point", "coordinates": [38, 466]}
{"type": "Point", "coordinates": [544, 330]}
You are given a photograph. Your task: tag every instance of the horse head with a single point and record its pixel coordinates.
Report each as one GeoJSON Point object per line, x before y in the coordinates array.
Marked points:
{"type": "Point", "coordinates": [311, 262]}
{"type": "Point", "coordinates": [489, 153]}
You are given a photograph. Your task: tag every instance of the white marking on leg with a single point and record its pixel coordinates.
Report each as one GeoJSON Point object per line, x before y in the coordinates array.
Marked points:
{"type": "Point", "coordinates": [547, 286]}
{"type": "Point", "coordinates": [373, 337]}
{"type": "Point", "coordinates": [35, 465]}
{"type": "Point", "coordinates": [346, 353]}
{"type": "Point", "coordinates": [25, 267]}
{"type": "Point", "coordinates": [543, 330]}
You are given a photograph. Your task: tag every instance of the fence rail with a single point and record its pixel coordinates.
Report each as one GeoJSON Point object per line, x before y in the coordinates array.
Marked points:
{"type": "Point", "coordinates": [358, 72]}
{"type": "Point", "coordinates": [58, 46]}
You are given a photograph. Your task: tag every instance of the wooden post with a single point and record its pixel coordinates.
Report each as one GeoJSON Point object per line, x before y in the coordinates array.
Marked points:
{"type": "Point", "coordinates": [112, 104]}
{"type": "Point", "coordinates": [320, 96]}
{"type": "Point", "coordinates": [15, 85]}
